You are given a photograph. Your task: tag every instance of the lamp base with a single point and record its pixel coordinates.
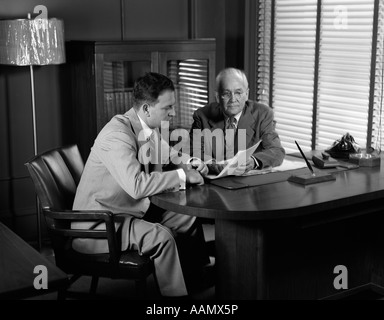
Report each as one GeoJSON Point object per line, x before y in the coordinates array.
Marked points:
{"type": "Point", "coordinates": [308, 178]}
{"type": "Point", "coordinates": [365, 160]}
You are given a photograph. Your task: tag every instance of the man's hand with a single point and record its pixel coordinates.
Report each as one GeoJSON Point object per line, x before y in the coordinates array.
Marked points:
{"type": "Point", "coordinates": [250, 164]}
{"type": "Point", "coordinates": [199, 166]}
{"type": "Point", "coordinates": [193, 177]}
{"type": "Point", "coordinates": [235, 168]}
{"type": "Point", "coordinates": [238, 170]}
{"type": "Point", "coordinates": [215, 168]}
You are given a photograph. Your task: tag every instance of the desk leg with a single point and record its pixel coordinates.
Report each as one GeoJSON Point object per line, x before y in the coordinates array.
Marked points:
{"type": "Point", "coordinates": [240, 260]}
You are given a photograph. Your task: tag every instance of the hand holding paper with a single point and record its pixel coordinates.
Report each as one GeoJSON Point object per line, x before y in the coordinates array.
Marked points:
{"type": "Point", "coordinates": [237, 165]}
{"type": "Point", "coordinates": [199, 165]}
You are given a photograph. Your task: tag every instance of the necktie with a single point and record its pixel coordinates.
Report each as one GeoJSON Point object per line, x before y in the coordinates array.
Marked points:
{"type": "Point", "coordinates": [155, 163]}
{"type": "Point", "coordinates": [230, 134]}
{"type": "Point", "coordinates": [231, 123]}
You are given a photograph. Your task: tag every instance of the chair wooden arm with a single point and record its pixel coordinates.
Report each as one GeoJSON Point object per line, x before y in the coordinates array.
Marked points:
{"type": "Point", "coordinates": [87, 215]}
{"type": "Point", "coordinates": [79, 214]}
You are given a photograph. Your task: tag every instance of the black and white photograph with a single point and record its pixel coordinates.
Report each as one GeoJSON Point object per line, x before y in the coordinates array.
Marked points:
{"type": "Point", "coordinates": [191, 157]}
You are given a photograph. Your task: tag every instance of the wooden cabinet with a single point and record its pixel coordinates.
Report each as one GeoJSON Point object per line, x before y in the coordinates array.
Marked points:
{"type": "Point", "coordinates": [103, 74]}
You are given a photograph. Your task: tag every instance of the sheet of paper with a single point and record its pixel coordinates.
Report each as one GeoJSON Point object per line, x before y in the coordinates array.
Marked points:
{"type": "Point", "coordinates": [238, 160]}
{"type": "Point", "coordinates": [287, 165]}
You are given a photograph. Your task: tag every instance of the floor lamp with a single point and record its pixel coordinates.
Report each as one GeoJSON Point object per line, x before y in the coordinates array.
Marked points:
{"type": "Point", "coordinates": [32, 42]}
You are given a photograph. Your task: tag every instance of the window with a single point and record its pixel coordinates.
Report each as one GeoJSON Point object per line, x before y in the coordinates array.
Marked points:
{"type": "Point", "coordinates": [293, 70]}
{"type": "Point", "coordinates": [320, 67]}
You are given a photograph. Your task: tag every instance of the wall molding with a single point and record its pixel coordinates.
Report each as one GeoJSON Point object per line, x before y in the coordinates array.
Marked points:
{"type": "Point", "coordinates": [122, 19]}
{"type": "Point", "coordinates": [250, 45]}
{"type": "Point", "coordinates": [192, 23]}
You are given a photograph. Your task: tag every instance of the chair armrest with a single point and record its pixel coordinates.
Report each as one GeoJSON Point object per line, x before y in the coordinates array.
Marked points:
{"type": "Point", "coordinates": [87, 215]}
{"type": "Point", "coordinates": [79, 214]}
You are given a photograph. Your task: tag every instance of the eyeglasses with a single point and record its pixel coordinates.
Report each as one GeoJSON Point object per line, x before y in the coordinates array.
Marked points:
{"type": "Point", "coordinates": [226, 95]}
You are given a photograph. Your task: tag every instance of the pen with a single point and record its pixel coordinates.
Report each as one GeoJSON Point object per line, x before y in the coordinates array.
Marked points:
{"type": "Point", "coordinates": [305, 158]}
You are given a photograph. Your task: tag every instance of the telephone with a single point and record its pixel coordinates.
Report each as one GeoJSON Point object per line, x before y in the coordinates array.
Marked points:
{"type": "Point", "coordinates": [343, 147]}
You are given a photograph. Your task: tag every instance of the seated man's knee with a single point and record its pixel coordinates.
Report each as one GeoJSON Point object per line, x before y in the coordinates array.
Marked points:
{"type": "Point", "coordinates": [164, 235]}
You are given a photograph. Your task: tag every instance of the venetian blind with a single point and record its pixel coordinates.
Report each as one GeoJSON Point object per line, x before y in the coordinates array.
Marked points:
{"type": "Point", "coordinates": [264, 51]}
{"type": "Point", "coordinates": [344, 70]}
{"type": "Point", "coordinates": [293, 71]}
{"type": "Point", "coordinates": [377, 141]}
{"type": "Point", "coordinates": [191, 87]}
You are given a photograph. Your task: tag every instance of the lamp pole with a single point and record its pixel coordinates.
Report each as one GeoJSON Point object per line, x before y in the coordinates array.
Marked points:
{"type": "Point", "coordinates": [39, 245]}
{"type": "Point", "coordinates": [35, 150]}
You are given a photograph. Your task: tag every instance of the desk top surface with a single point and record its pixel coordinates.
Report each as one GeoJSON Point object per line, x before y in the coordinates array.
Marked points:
{"type": "Point", "coordinates": [17, 262]}
{"type": "Point", "coordinates": [277, 200]}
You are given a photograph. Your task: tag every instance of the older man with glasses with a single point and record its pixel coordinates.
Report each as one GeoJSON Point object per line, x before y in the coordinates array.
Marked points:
{"type": "Point", "coordinates": [241, 122]}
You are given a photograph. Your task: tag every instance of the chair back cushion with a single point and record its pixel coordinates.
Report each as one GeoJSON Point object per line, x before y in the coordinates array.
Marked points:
{"type": "Point", "coordinates": [56, 174]}
{"type": "Point", "coordinates": [74, 161]}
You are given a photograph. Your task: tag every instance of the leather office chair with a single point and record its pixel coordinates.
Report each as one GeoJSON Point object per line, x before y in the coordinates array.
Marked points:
{"type": "Point", "coordinates": [56, 174]}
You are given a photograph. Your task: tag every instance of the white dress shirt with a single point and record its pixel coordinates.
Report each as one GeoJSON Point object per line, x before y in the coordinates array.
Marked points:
{"type": "Point", "coordinates": [147, 134]}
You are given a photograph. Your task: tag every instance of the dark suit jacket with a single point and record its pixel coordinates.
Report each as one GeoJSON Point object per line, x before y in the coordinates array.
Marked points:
{"type": "Point", "coordinates": [258, 121]}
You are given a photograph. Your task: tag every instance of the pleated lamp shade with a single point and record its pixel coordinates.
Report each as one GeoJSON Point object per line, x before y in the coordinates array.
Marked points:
{"type": "Point", "coordinates": [26, 42]}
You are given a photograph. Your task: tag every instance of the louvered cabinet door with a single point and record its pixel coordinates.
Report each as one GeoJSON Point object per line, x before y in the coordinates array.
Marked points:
{"type": "Point", "coordinates": [118, 73]}
{"type": "Point", "coordinates": [193, 74]}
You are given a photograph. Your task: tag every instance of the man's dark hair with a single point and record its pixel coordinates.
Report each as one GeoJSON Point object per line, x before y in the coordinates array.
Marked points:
{"type": "Point", "coordinates": [148, 88]}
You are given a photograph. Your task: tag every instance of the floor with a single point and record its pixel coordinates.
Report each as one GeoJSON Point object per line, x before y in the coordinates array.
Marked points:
{"type": "Point", "coordinates": [112, 289]}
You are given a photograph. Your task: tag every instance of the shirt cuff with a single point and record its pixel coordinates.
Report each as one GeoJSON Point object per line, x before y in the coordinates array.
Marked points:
{"type": "Point", "coordinates": [182, 178]}
{"type": "Point", "coordinates": [257, 165]}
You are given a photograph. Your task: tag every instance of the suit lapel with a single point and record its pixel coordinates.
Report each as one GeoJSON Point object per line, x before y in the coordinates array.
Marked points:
{"type": "Point", "coordinates": [137, 130]}
{"type": "Point", "coordinates": [216, 121]}
{"type": "Point", "coordinates": [246, 122]}
{"type": "Point", "coordinates": [136, 126]}
{"type": "Point", "coordinates": [156, 164]}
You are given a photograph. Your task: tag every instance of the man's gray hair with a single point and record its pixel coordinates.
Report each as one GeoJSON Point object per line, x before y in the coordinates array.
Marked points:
{"type": "Point", "coordinates": [233, 72]}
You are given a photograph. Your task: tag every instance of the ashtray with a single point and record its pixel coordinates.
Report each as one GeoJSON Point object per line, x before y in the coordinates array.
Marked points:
{"type": "Point", "coordinates": [365, 159]}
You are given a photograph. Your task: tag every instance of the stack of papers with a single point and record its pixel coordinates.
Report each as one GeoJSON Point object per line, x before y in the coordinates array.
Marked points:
{"type": "Point", "coordinates": [241, 158]}
{"type": "Point", "coordinates": [285, 166]}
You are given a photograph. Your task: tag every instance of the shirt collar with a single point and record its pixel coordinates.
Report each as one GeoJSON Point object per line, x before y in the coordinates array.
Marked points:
{"type": "Point", "coordinates": [237, 117]}
{"type": "Point", "coordinates": [146, 130]}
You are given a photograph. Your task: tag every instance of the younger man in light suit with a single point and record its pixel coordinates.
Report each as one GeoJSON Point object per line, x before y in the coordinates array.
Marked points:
{"type": "Point", "coordinates": [118, 177]}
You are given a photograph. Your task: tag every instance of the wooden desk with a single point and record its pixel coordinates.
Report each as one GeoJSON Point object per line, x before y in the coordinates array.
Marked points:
{"type": "Point", "coordinates": [282, 240]}
{"type": "Point", "coordinates": [17, 262]}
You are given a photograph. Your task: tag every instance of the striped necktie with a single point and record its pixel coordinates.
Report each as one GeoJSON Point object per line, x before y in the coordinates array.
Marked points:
{"type": "Point", "coordinates": [230, 135]}
{"type": "Point", "coordinates": [231, 123]}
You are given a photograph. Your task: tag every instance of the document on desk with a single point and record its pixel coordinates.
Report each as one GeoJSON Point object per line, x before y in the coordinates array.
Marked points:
{"type": "Point", "coordinates": [287, 165]}
{"type": "Point", "coordinates": [233, 164]}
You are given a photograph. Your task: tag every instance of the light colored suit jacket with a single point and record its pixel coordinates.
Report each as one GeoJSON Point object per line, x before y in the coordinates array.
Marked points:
{"type": "Point", "coordinates": [115, 178]}
{"type": "Point", "coordinates": [258, 121]}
